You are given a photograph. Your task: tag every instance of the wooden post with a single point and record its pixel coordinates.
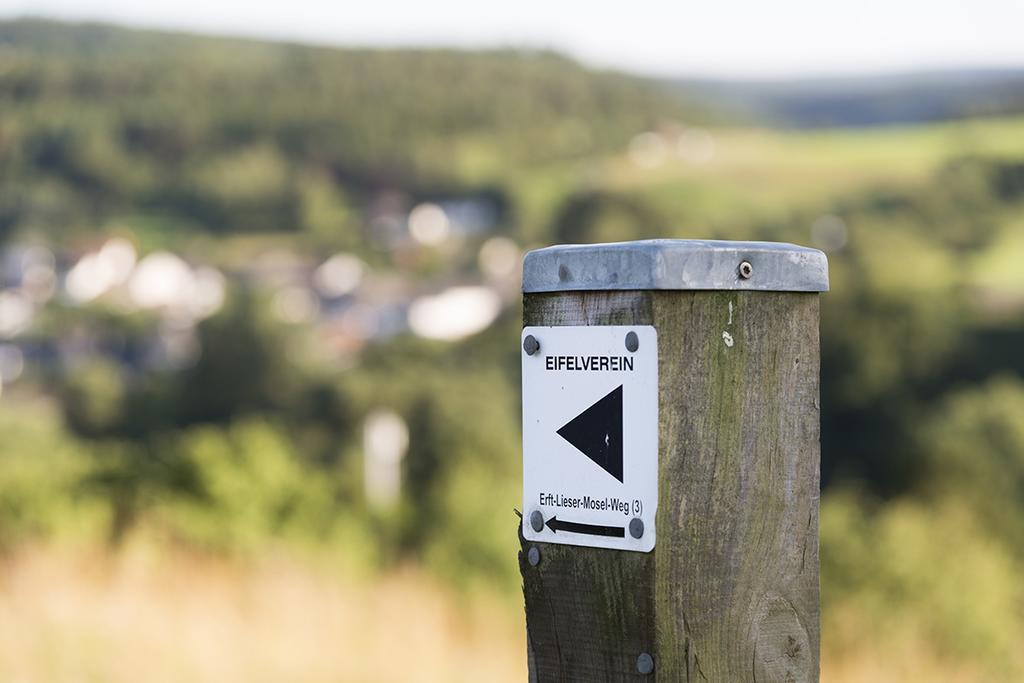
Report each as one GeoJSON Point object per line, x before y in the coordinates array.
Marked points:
{"type": "Point", "coordinates": [730, 591]}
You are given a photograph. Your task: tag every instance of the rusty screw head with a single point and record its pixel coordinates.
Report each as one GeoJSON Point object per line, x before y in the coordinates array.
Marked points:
{"type": "Point", "coordinates": [746, 270]}
{"type": "Point", "coordinates": [531, 345]}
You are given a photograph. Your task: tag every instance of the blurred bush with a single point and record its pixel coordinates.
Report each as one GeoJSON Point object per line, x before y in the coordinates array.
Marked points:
{"type": "Point", "coordinates": [908, 576]}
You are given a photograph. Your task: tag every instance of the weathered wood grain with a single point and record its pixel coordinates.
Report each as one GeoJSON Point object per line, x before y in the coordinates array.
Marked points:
{"type": "Point", "coordinates": [730, 592]}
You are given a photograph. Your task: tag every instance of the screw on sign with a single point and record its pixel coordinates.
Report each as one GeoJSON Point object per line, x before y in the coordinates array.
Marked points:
{"type": "Point", "coordinates": [531, 345]}
{"type": "Point", "coordinates": [645, 472]}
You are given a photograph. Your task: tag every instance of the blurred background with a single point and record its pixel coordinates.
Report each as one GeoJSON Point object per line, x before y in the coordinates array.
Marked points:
{"type": "Point", "coordinates": [260, 311]}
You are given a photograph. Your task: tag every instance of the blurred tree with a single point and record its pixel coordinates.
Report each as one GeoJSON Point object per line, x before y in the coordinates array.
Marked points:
{"type": "Point", "coordinates": [601, 217]}
{"type": "Point", "coordinates": [243, 365]}
{"type": "Point", "coordinates": [326, 213]}
{"type": "Point", "coordinates": [93, 397]}
{"type": "Point", "coordinates": [930, 573]}
{"type": "Point", "coordinates": [974, 444]}
{"type": "Point", "coordinates": [322, 421]}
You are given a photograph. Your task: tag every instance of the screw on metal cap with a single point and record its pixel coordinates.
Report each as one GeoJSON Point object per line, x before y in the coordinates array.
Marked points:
{"type": "Point", "coordinates": [632, 342]}
{"type": "Point", "coordinates": [676, 264]}
{"type": "Point", "coordinates": [531, 345]}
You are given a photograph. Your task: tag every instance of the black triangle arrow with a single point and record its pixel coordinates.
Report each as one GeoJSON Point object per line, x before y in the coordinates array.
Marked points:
{"type": "Point", "coordinates": [597, 433]}
{"type": "Point", "coordinates": [580, 528]}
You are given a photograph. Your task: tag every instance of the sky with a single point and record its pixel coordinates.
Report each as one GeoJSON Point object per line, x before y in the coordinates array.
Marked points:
{"type": "Point", "coordinates": [717, 38]}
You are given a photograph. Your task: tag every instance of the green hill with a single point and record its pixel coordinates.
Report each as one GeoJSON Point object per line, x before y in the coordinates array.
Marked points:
{"type": "Point", "coordinates": [114, 119]}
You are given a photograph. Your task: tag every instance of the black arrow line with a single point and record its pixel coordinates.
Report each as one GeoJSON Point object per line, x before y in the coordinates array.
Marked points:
{"type": "Point", "coordinates": [579, 528]}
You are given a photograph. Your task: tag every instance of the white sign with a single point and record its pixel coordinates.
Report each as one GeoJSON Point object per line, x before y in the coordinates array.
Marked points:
{"type": "Point", "coordinates": [590, 435]}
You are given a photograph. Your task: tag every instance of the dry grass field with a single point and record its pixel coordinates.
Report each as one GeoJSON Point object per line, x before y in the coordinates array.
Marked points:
{"type": "Point", "coordinates": [144, 616]}
{"type": "Point", "coordinates": [159, 616]}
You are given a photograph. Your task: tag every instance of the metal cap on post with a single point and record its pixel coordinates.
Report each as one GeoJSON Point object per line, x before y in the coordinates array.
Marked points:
{"type": "Point", "coordinates": [676, 264]}
{"type": "Point", "coordinates": [671, 460]}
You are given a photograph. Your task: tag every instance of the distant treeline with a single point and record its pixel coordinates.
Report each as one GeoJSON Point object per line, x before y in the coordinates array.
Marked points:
{"type": "Point", "coordinates": [227, 135]}
{"type": "Point", "coordinates": [867, 101]}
